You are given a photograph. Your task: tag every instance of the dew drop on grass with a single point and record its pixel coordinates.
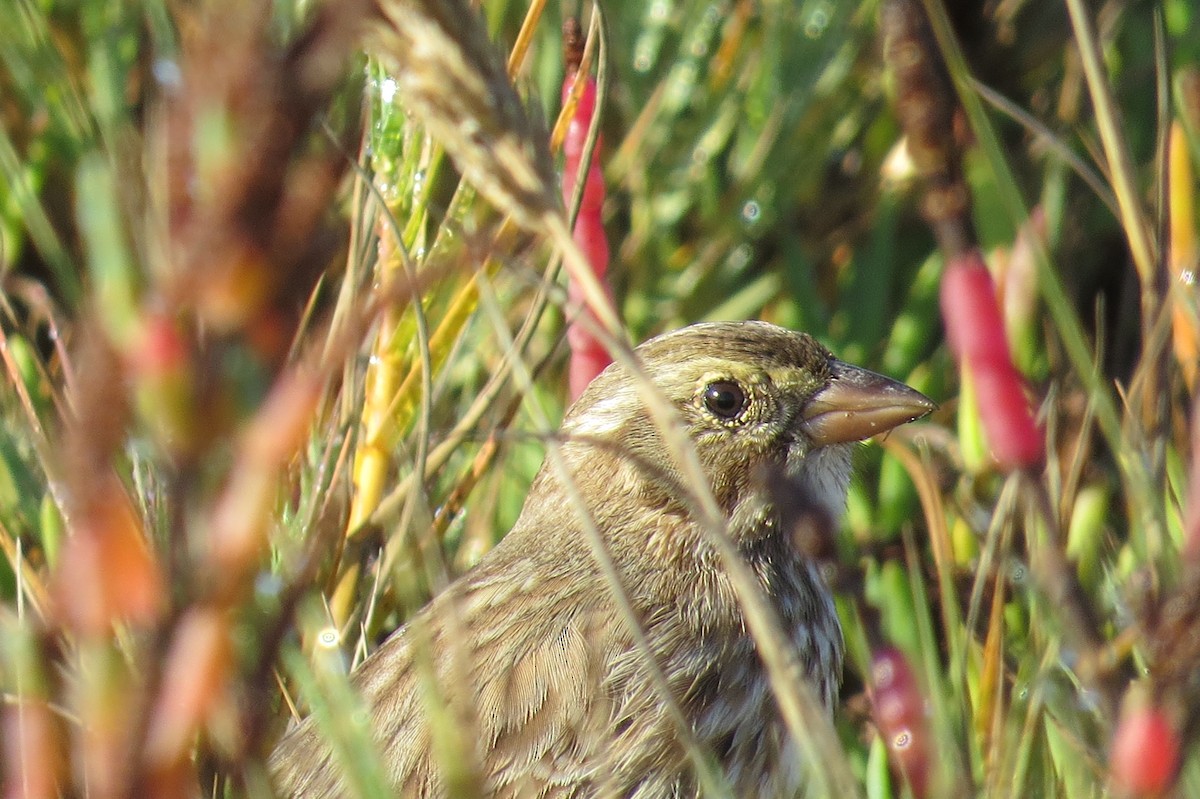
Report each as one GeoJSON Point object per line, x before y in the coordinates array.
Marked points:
{"type": "Point", "coordinates": [682, 81]}
{"type": "Point", "coordinates": [167, 73]}
{"type": "Point", "coordinates": [828, 569]}
{"type": "Point", "coordinates": [751, 212]}
{"type": "Point", "coordinates": [387, 90]}
{"type": "Point", "coordinates": [817, 21]}
{"type": "Point", "coordinates": [329, 638]}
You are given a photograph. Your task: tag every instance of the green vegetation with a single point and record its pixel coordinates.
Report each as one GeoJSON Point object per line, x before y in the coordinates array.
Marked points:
{"type": "Point", "coordinates": [270, 365]}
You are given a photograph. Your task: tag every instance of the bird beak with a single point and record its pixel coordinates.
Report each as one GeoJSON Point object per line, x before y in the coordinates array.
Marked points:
{"type": "Point", "coordinates": [858, 404]}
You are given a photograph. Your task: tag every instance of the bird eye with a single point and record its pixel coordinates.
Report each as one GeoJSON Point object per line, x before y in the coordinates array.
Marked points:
{"type": "Point", "coordinates": [725, 399]}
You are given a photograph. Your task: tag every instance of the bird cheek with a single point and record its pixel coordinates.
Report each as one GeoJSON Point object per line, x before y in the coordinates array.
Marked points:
{"type": "Point", "coordinates": [794, 456]}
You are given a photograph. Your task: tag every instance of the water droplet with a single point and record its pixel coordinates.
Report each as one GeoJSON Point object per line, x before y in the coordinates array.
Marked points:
{"type": "Point", "coordinates": [329, 638]}
{"type": "Point", "coordinates": [751, 211]}
{"type": "Point", "coordinates": [902, 740]}
{"type": "Point", "coordinates": [818, 21]}
{"type": "Point", "coordinates": [387, 90]}
{"type": "Point", "coordinates": [683, 79]}
{"type": "Point", "coordinates": [167, 73]}
{"type": "Point", "coordinates": [641, 61]}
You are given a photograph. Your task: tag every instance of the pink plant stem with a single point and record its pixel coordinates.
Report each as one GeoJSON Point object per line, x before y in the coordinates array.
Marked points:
{"type": "Point", "coordinates": [1191, 519]}
{"type": "Point", "coordinates": [976, 333]}
{"type": "Point", "coordinates": [898, 707]}
{"type": "Point", "coordinates": [588, 354]}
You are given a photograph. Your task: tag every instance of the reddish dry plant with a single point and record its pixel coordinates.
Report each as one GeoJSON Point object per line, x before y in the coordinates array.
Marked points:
{"type": "Point", "coordinates": [898, 707]}
{"type": "Point", "coordinates": [927, 110]}
{"type": "Point", "coordinates": [977, 337]}
{"type": "Point", "coordinates": [1144, 754]}
{"type": "Point", "coordinates": [31, 749]}
{"type": "Point", "coordinates": [588, 355]}
{"type": "Point", "coordinates": [246, 233]}
{"type": "Point", "coordinates": [1145, 748]}
{"type": "Point", "coordinates": [196, 674]}
{"type": "Point", "coordinates": [107, 573]}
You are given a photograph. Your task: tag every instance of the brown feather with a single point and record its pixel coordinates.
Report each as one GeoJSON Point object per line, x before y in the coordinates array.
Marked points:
{"type": "Point", "coordinates": [557, 698]}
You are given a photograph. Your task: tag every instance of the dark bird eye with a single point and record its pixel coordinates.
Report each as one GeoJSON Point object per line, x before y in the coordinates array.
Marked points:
{"type": "Point", "coordinates": [725, 399]}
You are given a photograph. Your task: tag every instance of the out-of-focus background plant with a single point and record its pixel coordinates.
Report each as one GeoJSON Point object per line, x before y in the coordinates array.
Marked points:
{"type": "Point", "coordinates": [286, 292]}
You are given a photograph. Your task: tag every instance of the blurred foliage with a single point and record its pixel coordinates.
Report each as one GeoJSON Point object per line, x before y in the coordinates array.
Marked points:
{"type": "Point", "coordinates": [755, 170]}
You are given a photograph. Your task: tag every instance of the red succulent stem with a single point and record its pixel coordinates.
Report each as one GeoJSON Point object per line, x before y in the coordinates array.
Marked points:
{"type": "Point", "coordinates": [976, 333]}
{"type": "Point", "coordinates": [898, 707]}
{"type": "Point", "coordinates": [588, 354]}
{"type": "Point", "coordinates": [928, 113]}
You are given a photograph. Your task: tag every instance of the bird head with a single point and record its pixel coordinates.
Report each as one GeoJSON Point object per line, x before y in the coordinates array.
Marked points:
{"type": "Point", "coordinates": [753, 398]}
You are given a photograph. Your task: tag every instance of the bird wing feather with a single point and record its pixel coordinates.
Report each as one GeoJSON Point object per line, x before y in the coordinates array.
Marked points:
{"type": "Point", "coordinates": [536, 702]}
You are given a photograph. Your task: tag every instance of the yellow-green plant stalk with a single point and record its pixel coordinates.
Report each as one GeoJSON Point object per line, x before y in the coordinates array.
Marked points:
{"type": "Point", "coordinates": [1183, 256]}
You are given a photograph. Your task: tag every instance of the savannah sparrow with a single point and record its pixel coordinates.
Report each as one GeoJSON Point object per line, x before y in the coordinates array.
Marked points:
{"type": "Point", "coordinates": [530, 652]}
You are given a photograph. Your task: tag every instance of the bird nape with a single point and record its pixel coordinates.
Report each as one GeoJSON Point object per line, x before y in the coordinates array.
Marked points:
{"type": "Point", "coordinates": [530, 660]}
